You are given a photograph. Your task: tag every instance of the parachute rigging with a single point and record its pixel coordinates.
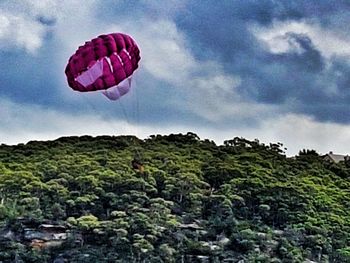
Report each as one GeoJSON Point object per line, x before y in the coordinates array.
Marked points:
{"type": "Point", "coordinates": [105, 64]}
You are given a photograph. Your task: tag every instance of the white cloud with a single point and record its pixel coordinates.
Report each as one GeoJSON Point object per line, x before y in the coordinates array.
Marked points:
{"type": "Point", "coordinates": [20, 32]}
{"type": "Point", "coordinates": [21, 123]}
{"type": "Point", "coordinates": [20, 25]}
{"type": "Point", "coordinates": [329, 42]}
{"type": "Point", "coordinates": [163, 49]}
{"type": "Point", "coordinates": [297, 132]}
{"type": "Point", "coordinates": [214, 98]}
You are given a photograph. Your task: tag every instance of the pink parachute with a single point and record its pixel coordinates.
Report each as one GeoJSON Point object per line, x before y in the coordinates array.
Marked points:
{"type": "Point", "coordinates": [105, 63]}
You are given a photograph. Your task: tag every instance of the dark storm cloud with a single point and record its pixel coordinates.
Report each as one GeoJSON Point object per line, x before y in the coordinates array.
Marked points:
{"type": "Point", "coordinates": [47, 21]}
{"type": "Point", "coordinates": [279, 77]}
{"type": "Point", "coordinates": [297, 80]}
{"type": "Point", "coordinates": [301, 80]}
{"type": "Point", "coordinates": [223, 26]}
{"type": "Point", "coordinates": [25, 78]}
{"type": "Point", "coordinates": [310, 59]}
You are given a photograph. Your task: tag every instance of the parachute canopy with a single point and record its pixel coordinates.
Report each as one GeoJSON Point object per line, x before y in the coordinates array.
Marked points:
{"type": "Point", "coordinates": [105, 63]}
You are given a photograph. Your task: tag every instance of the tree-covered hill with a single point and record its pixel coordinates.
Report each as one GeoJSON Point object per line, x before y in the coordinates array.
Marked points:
{"type": "Point", "coordinates": [78, 199]}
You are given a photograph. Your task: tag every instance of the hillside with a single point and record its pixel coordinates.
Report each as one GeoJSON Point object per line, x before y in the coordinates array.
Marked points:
{"type": "Point", "coordinates": [77, 199]}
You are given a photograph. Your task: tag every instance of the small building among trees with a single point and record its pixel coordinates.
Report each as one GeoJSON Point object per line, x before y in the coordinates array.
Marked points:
{"type": "Point", "coordinates": [336, 158]}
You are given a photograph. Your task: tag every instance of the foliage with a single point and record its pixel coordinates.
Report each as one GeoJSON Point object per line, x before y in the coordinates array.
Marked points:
{"type": "Point", "coordinates": [242, 201]}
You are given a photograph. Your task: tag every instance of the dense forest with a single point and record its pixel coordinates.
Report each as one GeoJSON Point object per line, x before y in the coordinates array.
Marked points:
{"type": "Point", "coordinates": [78, 199]}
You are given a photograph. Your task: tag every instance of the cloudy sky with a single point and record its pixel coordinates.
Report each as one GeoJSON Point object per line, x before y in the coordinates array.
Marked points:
{"type": "Point", "coordinates": [274, 70]}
